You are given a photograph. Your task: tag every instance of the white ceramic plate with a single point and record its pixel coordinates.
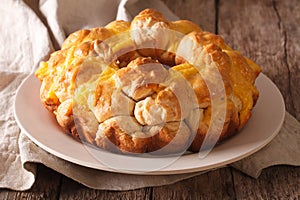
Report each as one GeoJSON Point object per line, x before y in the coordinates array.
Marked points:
{"type": "Point", "coordinates": [40, 126]}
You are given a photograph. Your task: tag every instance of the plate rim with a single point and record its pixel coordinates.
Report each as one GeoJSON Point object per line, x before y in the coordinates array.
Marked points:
{"type": "Point", "coordinates": [163, 171]}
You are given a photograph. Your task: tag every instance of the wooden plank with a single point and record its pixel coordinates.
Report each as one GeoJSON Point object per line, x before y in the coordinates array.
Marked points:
{"type": "Point", "coordinates": [274, 183]}
{"type": "Point", "coordinates": [289, 23]}
{"type": "Point", "coordinates": [212, 185]}
{"type": "Point", "coordinates": [47, 186]}
{"type": "Point", "coordinates": [253, 28]}
{"type": "Point", "coordinates": [201, 12]}
{"type": "Point", "coordinates": [73, 190]}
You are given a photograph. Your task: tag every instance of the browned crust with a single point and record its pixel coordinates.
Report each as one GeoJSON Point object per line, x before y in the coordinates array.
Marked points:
{"type": "Point", "coordinates": [58, 76]}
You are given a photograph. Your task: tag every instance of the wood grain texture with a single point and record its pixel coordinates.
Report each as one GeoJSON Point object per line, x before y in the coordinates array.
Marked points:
{"type": "Point", "coordinates": [72, 190]}
{"type": "Point", "coordinates": [254, 28]}
{"type": "Point", "coordinates": [274, 183]}
{"type": "Point", "coordinates": [46, 186]}
{"type": "Point", "coordinates": [289, 24]}
{"type": "Point", "coordinates": [201, 12]}
{"type": "Point", "coordinates": [213, 185]}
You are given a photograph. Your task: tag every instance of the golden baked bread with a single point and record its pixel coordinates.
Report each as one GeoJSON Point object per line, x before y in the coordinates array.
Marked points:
{"type": "Point", "coordinates": [149, 85]}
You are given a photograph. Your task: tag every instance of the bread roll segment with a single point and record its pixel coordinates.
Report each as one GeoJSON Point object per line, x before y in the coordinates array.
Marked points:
{"type": "Point", "coordinates": [148, 86]}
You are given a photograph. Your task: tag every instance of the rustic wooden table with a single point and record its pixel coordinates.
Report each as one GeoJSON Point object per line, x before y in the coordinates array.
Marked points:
{"type": "Point", "coordinates": [267, 31]}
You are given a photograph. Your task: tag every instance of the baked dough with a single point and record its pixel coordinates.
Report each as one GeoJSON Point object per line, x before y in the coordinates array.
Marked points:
{"type": "Point", "coordinates": [150, 85]}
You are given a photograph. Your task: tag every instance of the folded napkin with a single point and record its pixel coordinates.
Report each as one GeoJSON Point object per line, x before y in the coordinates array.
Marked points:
{"type": "Point", "coordinates": [27, 41]}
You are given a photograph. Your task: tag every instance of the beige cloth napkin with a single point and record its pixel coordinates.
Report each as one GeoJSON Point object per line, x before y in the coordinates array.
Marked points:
{"type": "Point", "coordinates": [25, 42]}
